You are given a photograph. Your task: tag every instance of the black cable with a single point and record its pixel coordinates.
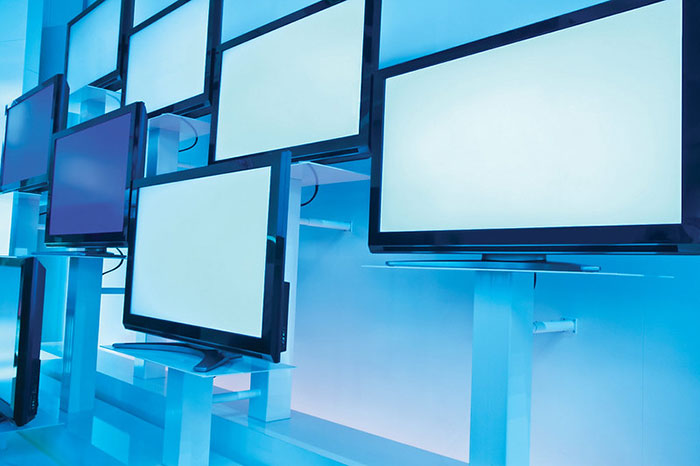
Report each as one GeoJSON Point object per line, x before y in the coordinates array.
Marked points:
{"type": "Point", "coordinates": [196, 136]}
{"type": "Point", "coordinates": [42, 213]}
{"type": "Point", "coordinates": [118, 265]}
{"type": "Point", "coordinates": [315, 187]}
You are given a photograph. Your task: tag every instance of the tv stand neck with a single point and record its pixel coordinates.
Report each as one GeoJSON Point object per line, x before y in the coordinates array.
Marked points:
{"type": "Point", "coordinates": [211, 358]}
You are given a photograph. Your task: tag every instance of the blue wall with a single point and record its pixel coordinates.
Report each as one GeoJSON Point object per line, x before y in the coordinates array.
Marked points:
{"type": "Point", "coordinates": [389, 351]}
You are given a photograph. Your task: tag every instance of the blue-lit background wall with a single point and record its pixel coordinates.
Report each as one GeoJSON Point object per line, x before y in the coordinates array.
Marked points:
{"type": "Point", "coordinates": [389, 351]}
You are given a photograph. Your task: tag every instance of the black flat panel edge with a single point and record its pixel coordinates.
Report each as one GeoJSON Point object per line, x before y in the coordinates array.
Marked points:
{"type": "Point", "coordinates": [276, 24]}
{"type": "Point", "coordinates": [196, 105]}
{"type": "Point", "coordinates": [626, 239]}
{"type": "Point", "coordinates": [271, 343]}
{"type": "Point", "coordinates": [59, 117]}
{"type": "Point", "coordinates": [342, 149]}
{"type": "Point", "coordinates": [31, 304]}
{"type": "Point", "coordinates": [137, 155]}
{"type": "Point", "coordinates": [113, 80]}
{"type": "Point", "coordinates": [540, 28]}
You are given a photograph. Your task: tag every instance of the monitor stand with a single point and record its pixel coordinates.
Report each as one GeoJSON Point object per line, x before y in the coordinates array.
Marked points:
{"type": "Point", "coordinates": [211, 358]}
{"type": "Point", "coordinates": [81, 252]}
{"type": "Point", "coordinates": [499, 263]}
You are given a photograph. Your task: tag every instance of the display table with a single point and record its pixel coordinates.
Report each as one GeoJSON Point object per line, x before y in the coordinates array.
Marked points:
{"type": "Point", "coordinates": [189, 399]}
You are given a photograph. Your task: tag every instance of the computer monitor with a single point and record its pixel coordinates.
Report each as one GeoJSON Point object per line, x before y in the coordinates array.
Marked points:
{"type": "Point", "coordinates": [170, 58]}
{"type": "Point", "coordinates": [92, 166]}
{"type": "Point", "coordinates": [31, 121]}
{"type": "Point", "coordinates": [95, 44]}
{"type": "Point", "coordinates": [21, 314]}
{"type": "Point", "coordinates": [578, 133]}
{"type": "Point", "coordinates": [206, 256]}
{"type": "Point", "coordinates": [301, 83]}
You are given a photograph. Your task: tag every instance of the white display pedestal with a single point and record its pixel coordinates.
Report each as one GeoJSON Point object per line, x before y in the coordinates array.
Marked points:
{"type": "Point", "coordinates": [501, 368]}
{"type": "Point", "coordinates": [165, 134]}
{"type": "Point", "coordinates": [189, 398]}
{"type": "Point", "coordinates": [504, 294]}
{"type": "Point", "coordinates": [90, 102]}
{"type": "Point", "coordinates": [81, 333]}
{"type": "Point", "coordinates": [19, 218]}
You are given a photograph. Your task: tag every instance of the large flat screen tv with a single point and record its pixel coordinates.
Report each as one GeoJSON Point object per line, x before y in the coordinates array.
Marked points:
{"type": "Point", "coordinates": [21, 314]}
{"type": "Point", "coordinates": [96, 44]}
{"type": "Point", "coordinates": [92, 166]}
{"type": "Point", "coordinates": [301, 83]}
{"type": "Point", "coordinates": [31, 121]}
{"type": "Point", "coordinates": [170, 58]}
{"type": "Point", "coordinates": [576, 133]}
{"type": "Point", "coordinates": [206, 256]}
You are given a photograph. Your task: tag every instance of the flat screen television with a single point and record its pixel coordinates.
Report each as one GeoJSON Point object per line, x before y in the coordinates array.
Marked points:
{"type": "Point", "coordinates": [95, 49]}
{"type": "Point", "coordinates": [206, 256]}
{"type": "Point", "coordinates": [170, 58]}
{"type": "Point", "coordinates": [31, 121]}
{"type": "Point", "coordinates": [21, 314]}
{"type": "Point", "coordinates": [301, 83]}
{"type": "Point", "coordinates": [578, 133]}
{"type": "Point", "coordinates": [92, 167]}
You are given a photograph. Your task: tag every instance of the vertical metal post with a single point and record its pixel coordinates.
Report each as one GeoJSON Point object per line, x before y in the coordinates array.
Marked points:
{"type": "Point", "coordinates": [501, 369]}
{"type": "Point", "coordinates": [187, 433]}
{"type": "Point", "coordinates": [81, 334]}
{"type": "Point", "coordinates": [275, 400]}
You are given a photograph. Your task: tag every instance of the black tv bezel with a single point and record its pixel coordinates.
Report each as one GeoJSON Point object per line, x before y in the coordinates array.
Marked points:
{"type": "Point", "coordinates": [114, 79]}
{"type": "Point", "coordinates": [59, 116]}
{"type": "Point", "coordinates": [200, 104]}
{"type": "Point", "coordinates": [30, 317]}
{"type": "Point", "coordinates": [273, 340]}
{"type": "Point", "coordinates": [133, 19]}
{"type": "Point", "coordinates": [663, 238]}
{"type": "Point", "coordinates": [136, 161]}
{"type": "Point", "coordinates": [328, 151]}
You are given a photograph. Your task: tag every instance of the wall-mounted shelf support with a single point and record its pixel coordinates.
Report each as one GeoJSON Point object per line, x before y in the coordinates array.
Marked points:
{"type": "Point", "coordinates": [554, 326]}
{"type": "Point", "coordinates": [236, 396]}
{"type": "Point", "coordinates": [326, 224]}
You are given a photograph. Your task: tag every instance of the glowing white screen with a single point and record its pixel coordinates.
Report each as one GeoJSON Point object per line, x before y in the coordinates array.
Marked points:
{"type": "Point", "coordinates": [580, 127]}
{"type": "Point", "coordinates": [295, 85]}
{"type": "Point", "coordinates": [167, 59]}
{"type": "Point", "coordinates": [200, 251]}
{"type": "Point", "coordinates": [94, 43]}
{"type": "Point", "coordinates": [241, 16]}
{"type": "Point", "coordinates": [144, 9]}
